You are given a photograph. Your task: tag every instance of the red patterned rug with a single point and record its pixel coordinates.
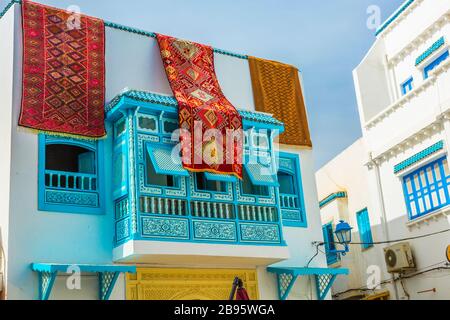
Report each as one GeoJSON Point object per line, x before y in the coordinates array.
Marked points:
{"type": "Point", "coordinates": [202, 106]}
{"type": "Point", "coordinates": [63, 72]}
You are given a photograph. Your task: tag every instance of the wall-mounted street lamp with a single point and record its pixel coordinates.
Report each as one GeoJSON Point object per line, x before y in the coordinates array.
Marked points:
{"type": "Point", "coordinates": [343, 233]}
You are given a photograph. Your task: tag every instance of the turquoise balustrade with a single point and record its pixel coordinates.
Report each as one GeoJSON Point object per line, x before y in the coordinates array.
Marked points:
{"type": "Point", "coordinates": [289, 201]}
{"type": "Point", "coordinates": [70, 180]}
{"type": "Point", "coordinates": [213, 210]}
{"type": "Point", "coordinates": [165, 206]}
{"type": "Point", "coordinates": [257, 213]}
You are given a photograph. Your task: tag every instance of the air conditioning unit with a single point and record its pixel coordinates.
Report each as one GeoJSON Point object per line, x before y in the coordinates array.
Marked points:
{"type": "Point", "coordinates": [399, 258]}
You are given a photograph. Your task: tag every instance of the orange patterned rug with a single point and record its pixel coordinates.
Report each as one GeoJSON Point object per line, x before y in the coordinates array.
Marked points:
{"type": "Point", "coordinates": [211, 128]}
{"type": "Point", "coordinates": [63, 72]}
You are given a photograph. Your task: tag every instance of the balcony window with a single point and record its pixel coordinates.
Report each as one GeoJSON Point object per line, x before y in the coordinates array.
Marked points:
{"type": "Point", "coordinates": [291, 191]}
{"type": "Point", "coordinates": [202, 183]}
{"type": "Point", "coordinates": [69, 175]}
{"type": "Point", "coordinates": [249, 188]}
{"type": "Point", "coordinates": [434, 64]}
{"type": "Point", "coordinates": [427, 188]}
{"type": "Point", "coordinates": [407, 86]}
{"type": "Point", "coordinates": [162, 168]}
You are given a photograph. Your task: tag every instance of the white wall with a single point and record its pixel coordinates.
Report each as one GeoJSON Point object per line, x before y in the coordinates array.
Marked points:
{"type": "Point", "coordinates": [346, 172]}
{"type": "Point", "coordinates": [406, 126]}
{"type": "Point", "coordinates": [6, 88]}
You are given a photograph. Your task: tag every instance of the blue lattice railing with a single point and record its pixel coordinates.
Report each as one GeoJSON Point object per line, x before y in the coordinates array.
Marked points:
{"type": "Point", "coordinates": [70, 180]}
{"type": "Point", "coordinates": [289, 201]}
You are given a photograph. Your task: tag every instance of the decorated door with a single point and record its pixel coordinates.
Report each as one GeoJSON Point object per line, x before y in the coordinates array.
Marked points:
{"type": "Point", "coordinates": [188, 284]}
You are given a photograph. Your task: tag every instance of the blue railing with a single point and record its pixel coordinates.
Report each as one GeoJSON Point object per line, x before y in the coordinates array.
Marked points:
{"type": "Point", "coordinates": [70, 180]}
{"type": "Point", "coordinates": [289, 201]}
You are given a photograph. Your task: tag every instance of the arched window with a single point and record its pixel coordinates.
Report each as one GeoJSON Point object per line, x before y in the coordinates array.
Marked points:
{"type": "Point", "coordinates": [68, 175]}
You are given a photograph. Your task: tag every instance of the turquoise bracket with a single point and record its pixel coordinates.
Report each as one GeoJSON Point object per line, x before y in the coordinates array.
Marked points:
{"type": "Point", "coordinates": [324, 282]}
{"type": "Point", "coordinates": [107, 281]}
{"type": "Point", "coordinates": [46, 281]}
{"type": "Point", "coordinates": [324, 277]}
{"type": "Point", "coordinates": [107, 275]}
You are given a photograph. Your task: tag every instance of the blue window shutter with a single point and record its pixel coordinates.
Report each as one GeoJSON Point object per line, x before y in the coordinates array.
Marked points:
{"type": "Point", "coordinates": [328, 238]}
{"type": "Point", "coordinates": [365, 232]}
{"type": "Point", "coordinates": [427, 188]}
{"type": "Point", "coordinates": [436, 62]}
{"type": "Point", "coordinates": [407, 86]}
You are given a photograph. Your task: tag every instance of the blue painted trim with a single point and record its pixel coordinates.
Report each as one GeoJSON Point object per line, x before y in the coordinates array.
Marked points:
{"type": "Point", "coordinates": [302, 271]}
{"type": "Point", "coordinates": [330, 247]}
{"type": "Point", "coordinates": [297, 173]}
{"type": "Point", "coordinates": [288, 289]}
{"type": "Point", "coordinates": [407, 86]}
{"type": "Point", "coordinates": [89, 268]}
{"type": "Point", "coordinates": [220, 177]}
{"type": "Point", "coordinates": [433, 48]}
{"type": "Point", "coordinates": [8, 6]}
{"type": "Point", "coordinates": [158, 102]}
{"type": "Point", "coordinates": [100, 172]}
{"type": "Point", "coordinates": [108, 275]}
{"type": "Point", "coordinates": [322, 294]}
{"type": "Point", "coordinates": [419, 156]}
{"type": "Point", "coordinates": [144, 33]}
{"type": "Point", "coordinates": [364, 229]}
{"type": "Point", "coordinates": [393, 17]}
{"type": "Point", "coordinates": [158, 170]}
{"type": "Point", "coordinates": [257, 182]}
{"type": "Point", "coordinates": [105, 287]}
{"type": "Point", "coordinates": [46, 286]}
{"type": "Point", "coordinates": [332, 197]}
{"type": "Point", "coordinates": [427, 188]}
{"type": "Point", "coordinates": [434, 64]}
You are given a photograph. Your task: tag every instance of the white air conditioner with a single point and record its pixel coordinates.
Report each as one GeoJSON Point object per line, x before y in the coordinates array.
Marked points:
{"type": "Point", "coordinates": [399, 258]}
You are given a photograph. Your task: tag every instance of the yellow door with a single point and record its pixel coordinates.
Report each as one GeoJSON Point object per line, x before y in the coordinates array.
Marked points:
{"type": "Point", "coordinates": [188, 284]}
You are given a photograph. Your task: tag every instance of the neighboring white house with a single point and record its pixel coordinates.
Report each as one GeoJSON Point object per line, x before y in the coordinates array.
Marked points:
{"type": "Point", "coordinates": [399, 170]}
{"type": "Point", "coordinates": [128, 224]}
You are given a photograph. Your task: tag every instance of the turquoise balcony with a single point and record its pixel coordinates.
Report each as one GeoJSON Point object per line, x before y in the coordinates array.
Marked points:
{"type": "Point", "coordinates": [160, 206]}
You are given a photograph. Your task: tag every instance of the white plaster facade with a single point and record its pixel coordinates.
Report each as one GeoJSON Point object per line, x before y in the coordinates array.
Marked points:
{"type": "Point", "coordinates": [28, 235]}
{"type": "Point", "coordinates": [395, 127]}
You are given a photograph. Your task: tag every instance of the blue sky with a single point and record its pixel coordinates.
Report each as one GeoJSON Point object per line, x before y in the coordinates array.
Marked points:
{"type": "Point", "coordinates": [325, 39]}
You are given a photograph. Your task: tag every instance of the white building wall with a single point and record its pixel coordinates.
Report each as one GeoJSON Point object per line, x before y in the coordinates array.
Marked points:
{"type": "Point", "coordinates": [403, 127]}
{"type": "Point", "coordinates": [347, 173]}
{"type": "Point", "coordinates": [6, 88]}
{"type": "Point", "coordinates": [132, 61]}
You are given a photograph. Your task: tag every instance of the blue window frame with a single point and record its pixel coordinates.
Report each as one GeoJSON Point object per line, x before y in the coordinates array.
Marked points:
{"type": "Point", "coordinates": [365, 232]}
{"type": "Point", "coordinates": [202, 183]}
{"type": "Point", "coordinates": [407, 86]}
{"type": "Point", "coordinates": [328, 237]}
{"type": "Point", "coordinates": [70, 177]}
{"type": "Point", "coordinates": [291, 191]}
{"type": "Point", "coordinates": [427, 188]}
{"type": "Point", "coordinates": [434, 64]}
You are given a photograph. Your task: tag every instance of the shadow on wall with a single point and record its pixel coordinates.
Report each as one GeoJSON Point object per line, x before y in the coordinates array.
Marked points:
{"type": "Point", "coordinates": [368, 266]}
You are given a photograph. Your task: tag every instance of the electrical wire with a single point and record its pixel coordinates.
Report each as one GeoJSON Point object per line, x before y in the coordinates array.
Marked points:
{"type": "Point", "coordinates": [392, 241]}
{"type": "Point", "coordinates": [417, 273]}
{"type": "Point", "coordinates": [315, 255]}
